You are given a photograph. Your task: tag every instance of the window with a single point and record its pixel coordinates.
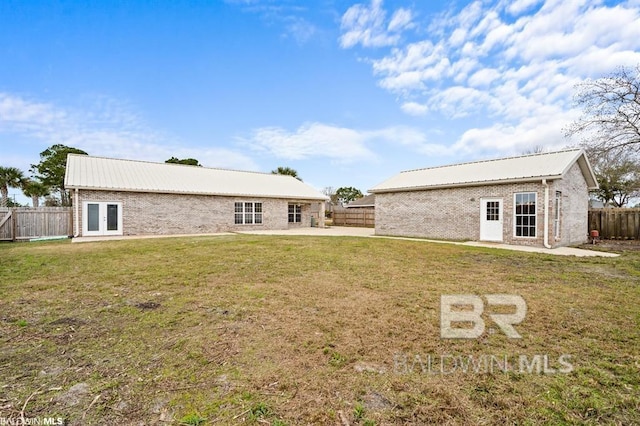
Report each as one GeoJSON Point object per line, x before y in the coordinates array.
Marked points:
{"type": "Point", "coordinates": [248, 213]}
{"type": "Point", "coordinates": [112, 217]}
{"type": "Point", "coordinates": [93, 217]}
{"type": "Point", "coordinates": [556, 214]}
{"type": "Point", "coordinates": [525, 214]}
{"type": "Point", "coordinates": [493, 210]}
{"type": "Point", "coordinates": [295, 213]}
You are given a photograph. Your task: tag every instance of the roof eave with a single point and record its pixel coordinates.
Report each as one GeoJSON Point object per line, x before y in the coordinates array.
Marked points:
{"type": "Point", "coordinates": [587, 171]}
{"type": "Point", "coordinates": [585, 168]}
{"type": "Point", "coordinates": [161, 191]}
{"type": "Point", "coordinates": [464, 184]}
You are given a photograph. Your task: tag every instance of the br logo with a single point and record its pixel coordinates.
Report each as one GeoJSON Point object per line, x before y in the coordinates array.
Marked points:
{"type": "Point", "coordinates": [462, 314]}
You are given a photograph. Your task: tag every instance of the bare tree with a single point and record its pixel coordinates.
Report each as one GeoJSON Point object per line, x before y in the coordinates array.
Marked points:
{"type": "Point", "coordinates": [618, 176]}
{"type": "Point", "coordinates": [611, 113]}
{"type": "Point", "coordinates": [537, 149]}
{"type": "Point", "coordinates": [330, 192]}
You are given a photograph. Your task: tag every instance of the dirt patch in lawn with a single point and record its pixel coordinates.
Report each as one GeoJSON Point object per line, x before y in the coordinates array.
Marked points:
{"type": "Point", "coordinates": [619, 246]}
{"type": "Point", "coordinates": [147, 305]}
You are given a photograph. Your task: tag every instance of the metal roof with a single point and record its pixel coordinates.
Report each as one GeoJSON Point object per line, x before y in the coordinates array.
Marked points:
{"type": "Point", "coordinates": [366, 201]}
{"type": "Point", "coordinates": [526, 168]}
{"type": "Point", "coordinates": [98, 173]}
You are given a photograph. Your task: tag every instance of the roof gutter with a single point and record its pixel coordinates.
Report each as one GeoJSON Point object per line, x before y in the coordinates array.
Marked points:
{"type": "Point", "coordinates": [546, 214]}
{"type": "Point", "coordinates": [463, 184]}
{"type": "Point", "coordinates": [220, 194]}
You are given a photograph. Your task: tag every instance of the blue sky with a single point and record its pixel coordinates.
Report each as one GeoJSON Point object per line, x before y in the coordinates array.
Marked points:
{"type": "Point", "coordinates": [348, 93]}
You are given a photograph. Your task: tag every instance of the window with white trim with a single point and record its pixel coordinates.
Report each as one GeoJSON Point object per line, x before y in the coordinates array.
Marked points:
{"type": "Point", "coordinates": [525, 214]}
{"type": "Point", "coordinates": [295, 213]}
{"type": "Point", "coordinates": [248, 213]}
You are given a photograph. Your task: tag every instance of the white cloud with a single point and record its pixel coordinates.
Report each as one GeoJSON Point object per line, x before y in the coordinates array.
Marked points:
{"type": "Point", "coordinates": [287, 15]}
{"type": "Point", "coordinates": [511, 139]}
{"type": "Point", "coordinates": [20, 115]}
{"type": "Point", "coordinates": [408, 137]}
{"type": "Point", "coordinates": [312, 140]}
{"type": "Point", "coordinates": [458, 37]}
{"type": "Point", "coordinates": [365, 25]}
{"type": "Point", "coordinates": [300, 29]}
{"type": "Point", "coordinates": [409, 68]}
{"type": "Point", "coordinates": [460, 101]}
{"type": "Point", "coordinates": [507, 64]}
{"type": "Point", "coordinates": [484, 77]}
{"type": "Point", "coordinates": [519, 6]}
{"type": "Point", "coordinates": [339, 144]}
{"type": "Point", "coordinates": [398, 135]}
{"type": "Point", "coordinates": [104, 127]}
{"type": "Point", "coordinates": [401, 20]}
{"type": "Point", "coordinates": [415, 108]}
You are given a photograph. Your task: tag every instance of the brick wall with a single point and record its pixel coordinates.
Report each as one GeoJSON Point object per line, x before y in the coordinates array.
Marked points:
{"type": "Point", "coordinates": [454, 213]}
{"type": "Point", "coordinates": [574, 208]}
{"type": "Point", "coordinates": [167, 214]}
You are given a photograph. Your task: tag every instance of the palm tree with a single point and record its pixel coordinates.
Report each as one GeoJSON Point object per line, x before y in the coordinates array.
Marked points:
{"type": "Point", "coordinates": [35, 189]}
{"type": "Point", "coordinates": [10, 177]}
{"type": "Point", "coordinates": [286, 171]}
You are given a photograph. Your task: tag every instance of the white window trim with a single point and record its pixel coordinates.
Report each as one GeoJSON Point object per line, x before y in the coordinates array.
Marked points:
{"type": "Point", "coordinates": [535, 199]}
{"type": "Point", "coordinates": [297, 212]}
{"type": "Point", "coordinates": [253, 213]}
{"type": "Point", "coordinates": [85, 219]}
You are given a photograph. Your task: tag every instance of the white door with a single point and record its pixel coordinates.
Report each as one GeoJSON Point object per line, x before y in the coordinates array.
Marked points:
{"type": "Point", "coordinates": [101, 218]}
{"type": "Point", "coordinates": [491, 219]}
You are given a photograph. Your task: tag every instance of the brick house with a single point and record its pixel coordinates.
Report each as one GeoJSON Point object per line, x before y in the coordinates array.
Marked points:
{"type": "Point", "coordinates": [366, 202]}
{"type": "Point", "coordinates": [538, 200]}
{"type": "Point", "coordinates": [124, 197]}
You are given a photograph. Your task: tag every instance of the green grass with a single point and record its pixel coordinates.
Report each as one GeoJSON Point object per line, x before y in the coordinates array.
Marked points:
{"type": "Point", "coordinates": [295, 330]}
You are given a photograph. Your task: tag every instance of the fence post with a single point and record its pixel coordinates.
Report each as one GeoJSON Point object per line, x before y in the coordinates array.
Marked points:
{"type": "Point", "coordinates": [14, 224]}
{"type": "Point", "coordinates": [71, 228]}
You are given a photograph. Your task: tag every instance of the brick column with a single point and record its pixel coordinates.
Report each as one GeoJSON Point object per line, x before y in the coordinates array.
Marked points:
{"type": "Point", "coordinates": [321, 214]}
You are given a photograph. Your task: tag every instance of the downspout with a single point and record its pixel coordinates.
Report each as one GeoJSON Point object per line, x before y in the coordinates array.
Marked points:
{"type": "Point", "coordinates": [546, 214]}
{"type": "Point", "coordinates": [76, 222]}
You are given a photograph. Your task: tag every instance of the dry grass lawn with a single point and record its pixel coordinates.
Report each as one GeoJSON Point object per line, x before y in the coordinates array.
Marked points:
{"type": "Point", "coordinates": [306, 330]}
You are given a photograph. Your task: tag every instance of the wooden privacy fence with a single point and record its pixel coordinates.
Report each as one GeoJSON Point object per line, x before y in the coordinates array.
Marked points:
{"type": "Point", "coordinates": [623, 224]}
{"type": "Point", "coordinates": [25, 223]}
{"type": "Point", "coordinates": [355, 217]}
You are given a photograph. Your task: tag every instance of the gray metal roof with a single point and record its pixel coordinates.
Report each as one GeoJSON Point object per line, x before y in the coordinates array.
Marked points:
{"type": "Point", "coordinates": [526, 168]}
{"type": "Point", "coordinates": [366, 201]}
{"type": "Point", "coordinates": [87, 172]}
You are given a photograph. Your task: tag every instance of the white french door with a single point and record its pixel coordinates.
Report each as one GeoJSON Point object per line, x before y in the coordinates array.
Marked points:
{"type": "Point", "coordinates": [101, 218]}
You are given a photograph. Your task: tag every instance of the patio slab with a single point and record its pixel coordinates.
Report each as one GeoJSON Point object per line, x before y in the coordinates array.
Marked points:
{"type": "Point", "coordinates": [349, 231]}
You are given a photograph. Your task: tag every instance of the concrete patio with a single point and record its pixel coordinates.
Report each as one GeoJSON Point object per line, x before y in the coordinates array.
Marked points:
{"type": "Point", "coordinates": [346, 231]}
